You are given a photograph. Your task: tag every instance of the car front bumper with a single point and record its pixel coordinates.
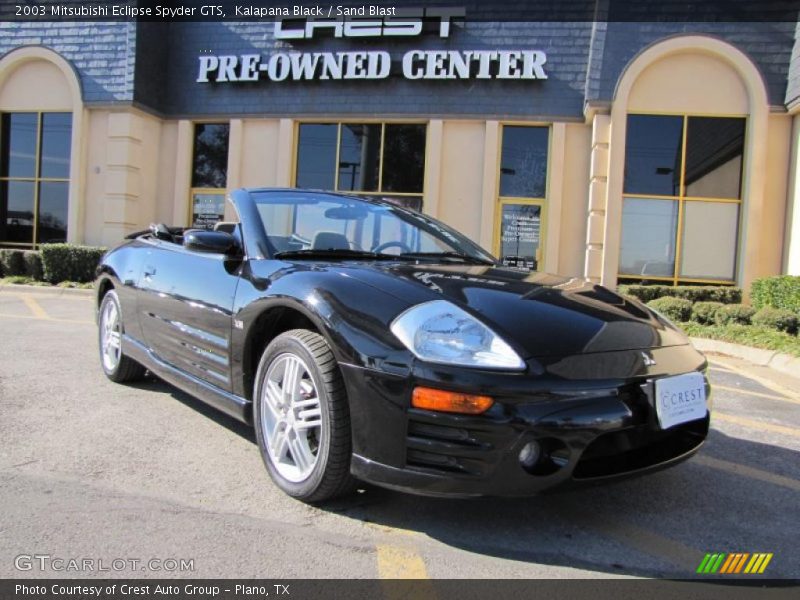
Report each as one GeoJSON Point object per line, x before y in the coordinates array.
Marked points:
{"type": "Point", "coordinates": [588, 430]}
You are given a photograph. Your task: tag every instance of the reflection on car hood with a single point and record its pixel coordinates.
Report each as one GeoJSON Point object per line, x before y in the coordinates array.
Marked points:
{"type": "Point", "coordinates": [540, 314]}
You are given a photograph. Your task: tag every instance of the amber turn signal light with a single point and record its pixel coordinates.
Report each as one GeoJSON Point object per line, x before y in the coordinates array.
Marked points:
{"type": "Point", "coordinates": [454, 402]}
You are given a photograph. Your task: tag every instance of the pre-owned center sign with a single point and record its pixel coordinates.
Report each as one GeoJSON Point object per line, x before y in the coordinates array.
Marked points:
{"type": "Point", "coordinates": [370, 64]}
{"type": "Point", "coordinates": [416, 64]}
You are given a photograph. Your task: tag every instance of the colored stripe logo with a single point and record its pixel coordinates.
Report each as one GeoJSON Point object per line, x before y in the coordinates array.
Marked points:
{"type": "Point", "coordinates": [734, 563]}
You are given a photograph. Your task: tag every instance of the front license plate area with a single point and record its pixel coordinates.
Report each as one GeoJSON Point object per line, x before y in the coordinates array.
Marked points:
{"type": "Point", "coordinates": [680, 399]}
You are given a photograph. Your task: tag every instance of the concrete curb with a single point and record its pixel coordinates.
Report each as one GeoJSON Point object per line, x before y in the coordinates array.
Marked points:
{"type": "Point", "coordinates": [45, 290]}
{"type": "Point", "coordinates": [785, 363]}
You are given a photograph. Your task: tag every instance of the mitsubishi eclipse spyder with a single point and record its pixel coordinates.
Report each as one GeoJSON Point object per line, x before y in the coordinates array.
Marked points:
{"type": "Point", "coordinates": [368, 342]}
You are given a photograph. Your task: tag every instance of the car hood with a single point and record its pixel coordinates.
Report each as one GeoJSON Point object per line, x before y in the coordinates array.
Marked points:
{"type": "Point", "coordinates": [539, 314]}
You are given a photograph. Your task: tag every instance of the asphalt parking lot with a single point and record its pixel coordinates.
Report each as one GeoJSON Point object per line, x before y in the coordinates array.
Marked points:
{"type": "Point", "coordinates": [93, 469]}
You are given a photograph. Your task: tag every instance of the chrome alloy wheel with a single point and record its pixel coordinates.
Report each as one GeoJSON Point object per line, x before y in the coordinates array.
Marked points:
{"type": "Point", "coordinates": [110, 334]}
{"type": "Point", "coordinates": [291, 417]}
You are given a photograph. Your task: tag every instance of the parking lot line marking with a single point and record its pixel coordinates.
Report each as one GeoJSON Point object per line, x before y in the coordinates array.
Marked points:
{"type": "Point", "coordinates": [50, 319]}
{"type": "Point", "coordinates": [745, 471]}
{"type": "Point", "coordinates": [753, 424]}
{"type": "Point", "coordinates": [34, 306]}
{"type": "Point", "coordinates": [651, 543]}
{"type": "Point", "coordinates": [775, 387]}
{"type": "Point", "coordinates": [757, 394]}
{"type": "Point", "coordinates": [395, 562]}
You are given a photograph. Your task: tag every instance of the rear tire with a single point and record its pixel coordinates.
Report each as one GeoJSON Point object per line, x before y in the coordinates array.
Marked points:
{"type": "Point", "coordinates": [301, 417]}
{"type": "Point", "coordinates": [117, 367]}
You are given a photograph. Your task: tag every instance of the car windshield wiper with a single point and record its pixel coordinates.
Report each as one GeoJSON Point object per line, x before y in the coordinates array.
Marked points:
{"type": "Point", "coordinates": [449, 256]}
{"type": "Point", "coordinates": [341, 253]}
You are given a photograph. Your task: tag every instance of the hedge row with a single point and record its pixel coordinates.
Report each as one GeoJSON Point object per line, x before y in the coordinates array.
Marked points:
{"type": "Point", "coordinates": [52, 262]}
{"type": "Point", "coordinates": [705, 313]}
{"type": "Point", "coordinates": [779, 319]}
{"type": "Point", "coordinates": [692, 293]}
{"type": "Point", "coordinates": [20, 263]}
{"type": "Point", "coordinates": [675, 309]}
{"type": "Point", "coordinates": [777, 292]}
{"type": "Point", "coordinates": [716, 313]}
{"type": "Point", "coordinates": [734, 314]}
{"type": "Point", "coordinates": [66, 262]}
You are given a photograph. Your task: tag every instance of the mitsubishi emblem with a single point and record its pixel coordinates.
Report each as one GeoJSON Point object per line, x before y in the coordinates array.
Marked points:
{"type": "Point", "coordinates": [649, 361]}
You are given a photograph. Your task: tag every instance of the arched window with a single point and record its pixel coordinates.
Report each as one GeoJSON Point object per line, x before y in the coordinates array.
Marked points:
{"type": "Point", "coordinates": [685, 178]}
{"type": "Point", "coordinates": [39, 100]}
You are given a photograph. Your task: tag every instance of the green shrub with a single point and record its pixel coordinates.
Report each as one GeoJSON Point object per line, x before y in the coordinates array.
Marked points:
{"type": "Point", "coordinates": [734, 314]}
{"type": "Point", "coordinates": [777, 292]}
{"type": "Point", "coordinates": [777, 318]}
{"type": "Point", "coordinates": [33, 265]}
{"type": "Point", "coordinates": [693, 293]}
{"type": "Point", "coordinates": [704, 312]}
{"type": "Point", "coordinates": [66, 262]}
{"type": "Point", "coordinates": [645, 293]}
{"type": "Point", "coordinates": [13, 262]}
{"type": "Point", "coordinates": [758, 337]}
{"type": "Point", "coordinates": [18, 279]}
{"type": "Point", "coordinates": [75, 285]}
{"type": "Point", "coordinates": [726, 294]}
{"type": "Point", "coordinates": [676, 309]}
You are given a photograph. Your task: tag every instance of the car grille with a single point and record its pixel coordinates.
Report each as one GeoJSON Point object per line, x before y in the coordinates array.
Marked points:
{"type": "Point", "coordinates": [461, 446]}
{"type": "Point", "coordinates": [637, 448]}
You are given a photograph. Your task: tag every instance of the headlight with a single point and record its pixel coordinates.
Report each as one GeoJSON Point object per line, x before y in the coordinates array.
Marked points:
{"type": "Point", "coordinates": [440, 332]}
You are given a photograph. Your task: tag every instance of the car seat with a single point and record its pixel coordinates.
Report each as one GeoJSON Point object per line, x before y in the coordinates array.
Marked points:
{"type": "Point", "coordinates": [329, 240]}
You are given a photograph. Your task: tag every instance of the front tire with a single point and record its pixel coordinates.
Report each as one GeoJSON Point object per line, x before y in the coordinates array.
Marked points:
{"type": "Point", "coordinates": [117, 367]}
{"type": "Point", "coordinates": [301, 417]}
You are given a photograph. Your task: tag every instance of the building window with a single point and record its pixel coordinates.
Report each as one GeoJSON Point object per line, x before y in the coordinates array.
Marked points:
{"type": "Point", "coordinates": [376, 159]}
{"type": "Point", "coordinates": [34, 177]}
{"type": "Point", "coordinates": [521, 196]}
{"type": "Point", "coordinates": [209, 174]}
{"type": "Point", "coordinates": [681, 198]}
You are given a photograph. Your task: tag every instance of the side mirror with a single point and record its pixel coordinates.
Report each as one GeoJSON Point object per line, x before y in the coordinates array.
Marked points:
{"type": "Point", "coordinates": [213, 242]}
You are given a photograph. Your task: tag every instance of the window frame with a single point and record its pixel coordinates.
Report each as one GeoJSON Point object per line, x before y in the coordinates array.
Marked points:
{"type": "Point", "coordinates": [682, 198]}
{"type": "Point", "coordinates": [501, 201]}
{"type": "Point", "coordinates": [37, 180]}
{"type": "Point", "coordinates": [221, 191]}
{"type": "Point", "coordinates": [379, 193]}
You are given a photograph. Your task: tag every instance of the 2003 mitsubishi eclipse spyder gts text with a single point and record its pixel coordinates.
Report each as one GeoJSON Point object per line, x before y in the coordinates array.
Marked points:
{"type": "Point", "coordinates": [369, 342]}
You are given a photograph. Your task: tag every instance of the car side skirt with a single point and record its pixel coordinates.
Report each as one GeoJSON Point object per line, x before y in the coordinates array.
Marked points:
{"type": "Point", "coordinates": [235, 406]}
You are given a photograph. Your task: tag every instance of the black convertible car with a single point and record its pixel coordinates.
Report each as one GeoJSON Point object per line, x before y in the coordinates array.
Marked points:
{"type": "Point", "coordinates": [369, 342]}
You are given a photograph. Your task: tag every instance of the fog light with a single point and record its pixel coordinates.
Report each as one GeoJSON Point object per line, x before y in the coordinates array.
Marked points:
{"type": "Point", "coordinates": [529, 455]}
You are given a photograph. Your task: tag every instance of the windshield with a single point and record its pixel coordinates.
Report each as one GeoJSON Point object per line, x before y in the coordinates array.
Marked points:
{"type": "Point", "coordinates": [300, 222]}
